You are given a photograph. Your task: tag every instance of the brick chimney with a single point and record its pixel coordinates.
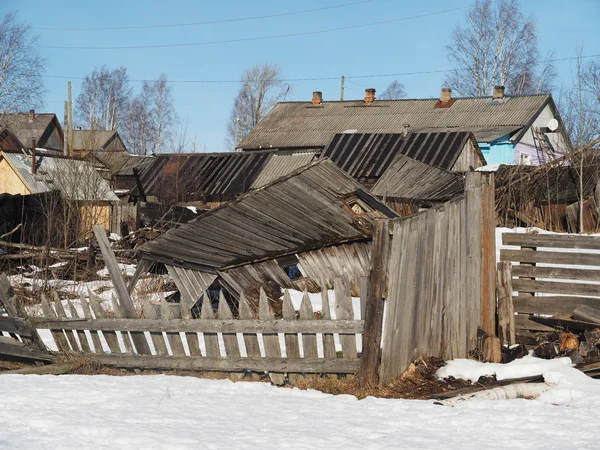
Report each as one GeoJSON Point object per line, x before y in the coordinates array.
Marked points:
{"type": "Point", "coordinates": [498, 92]}
{"type": "Point", "coordinates": [31, 115]}
{"type": "Point", "coordinates": [33, 156]}
{"type": "Point", "coordinates": [446, 95]}
{"type": "Point", "coordinates": [317, 98]}
{"type": "Point", "coordinates": [369, 96]}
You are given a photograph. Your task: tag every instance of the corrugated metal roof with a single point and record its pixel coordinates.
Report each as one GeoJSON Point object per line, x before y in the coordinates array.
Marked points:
{"type": "Point", "coordinates": [409, 179]}
{"type": "Point", "coordinates": [301, 124]}
{"type": "Point", "coordinates": [216, 176]}
{"type": "Point", "coordinates": [281, 164]}
{"type": "Point", "coordinates": [307, 209]}
{"type": "Point", "coordinates": [76, 179]}
{"type": "Point", "coordinates": [367, 156]}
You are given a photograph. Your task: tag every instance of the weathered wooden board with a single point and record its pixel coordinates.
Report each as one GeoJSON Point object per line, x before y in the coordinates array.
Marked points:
{"type": "Point", "coordinates": [250, 339]}
{"type": "Point", "coordinates": [13, 325]}
{"type": "Point", "coordinates": [87, 314]}
{"type": "Point", "coordinates": [171, 311]}
{"type": "Point", "coordinates": [270, 340]}
{"type": "Point", "coordinates": [344, 311]}
{"type": "Point", "coordinates": [152, 312]}
{"type": "Point", "coordinates": [551, 304]}
{"type": "Point", "coordinates": [309, 340]}
{"type": "Point", "coordinates": [555, 287]}
{"type": "Point", "coordinates": [211, 340]}
{"type": "Point", "coordinates": [12, 347]}
{"type": "Point", "coordinates": [230, 341]}
{"type": "Point", "coordinates": [534, 256]}
{"type": "Point", "coordinates": [552, 240]}
{"type": "Point", "coordinates": [588, 314]}
{"type": "Point", "coordinates": [561, 273]}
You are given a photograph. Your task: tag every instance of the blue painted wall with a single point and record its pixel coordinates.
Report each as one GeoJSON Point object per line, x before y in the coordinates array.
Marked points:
{"type": "Point", "coordinates": [501, 151]}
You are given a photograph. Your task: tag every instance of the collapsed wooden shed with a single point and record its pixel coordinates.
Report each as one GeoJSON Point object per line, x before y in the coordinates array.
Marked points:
{"type": "Point", "coordinates": [300, 231]}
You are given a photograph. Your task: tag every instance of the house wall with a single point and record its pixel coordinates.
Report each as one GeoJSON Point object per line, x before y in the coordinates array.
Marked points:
{"type": "Point", "coordinates": [468, 158]}
{"type": "Point", "coordinates": [94, 215]}
{"type": "Point", "coordinates": [115, 145]}
{"type": "Point", "coordinates": [501, 151]}
{"type": "Point", "coordinates": [51, 138]}
{"type": "Point", "coordinates": [9, 181]}
{"type": "Point", "coordinates": [556, 139]}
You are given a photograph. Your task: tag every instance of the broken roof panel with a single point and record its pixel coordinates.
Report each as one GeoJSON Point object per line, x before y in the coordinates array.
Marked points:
{"type": "Point", "coordinates": [315, 206]}
{"type": "Point", "coordinates": [302, 124]}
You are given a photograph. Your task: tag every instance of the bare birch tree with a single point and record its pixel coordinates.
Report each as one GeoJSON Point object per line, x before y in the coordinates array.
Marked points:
{"type": "Point", "coordinates": [21, 67]}
{"type": "Point", "coordinates": [497, 46]}
{"type": "Point", "coordinates": [394, 91]}
{"type": "Point", "coordinates": [261, 89]}
{"type": "Point", "coordinates": [163, 112]}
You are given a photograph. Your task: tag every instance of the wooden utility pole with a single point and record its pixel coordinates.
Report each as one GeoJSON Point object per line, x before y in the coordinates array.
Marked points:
{"type": "Point", "coordinates": [66, 130]}
{"type": "Point", "coordinates": [342, 93]}
{"type": "Point", "coordinates": [70, 122]}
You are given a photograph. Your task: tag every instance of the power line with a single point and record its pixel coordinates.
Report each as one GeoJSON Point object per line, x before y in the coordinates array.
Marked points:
{"type": "Point", "coordinates": [258, 38]}
{"type": "Point", "coordinates": [383, 75]}
{"type": "Point", "coordinates": [209, 22]}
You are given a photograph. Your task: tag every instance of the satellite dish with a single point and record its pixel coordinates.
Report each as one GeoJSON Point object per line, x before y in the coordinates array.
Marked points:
{"type": "Point", "coordinates": [553, 124]}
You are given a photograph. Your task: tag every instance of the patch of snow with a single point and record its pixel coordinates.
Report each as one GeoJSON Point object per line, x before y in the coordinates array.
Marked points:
{"type": "Point", "coordinates": [192, 209]}
{"type": "Point", "coordinates": [114, 237]}
{"type": "Point", "coordinates": [126, 269]}
{"type": "Point", "coordinates": [58, 264]}
{"type": "Point", "coordinates": [170, 412]}
{"type": "Point", "coordinates": [488, 168]}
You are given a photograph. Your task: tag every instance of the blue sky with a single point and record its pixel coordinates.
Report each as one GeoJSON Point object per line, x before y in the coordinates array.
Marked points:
{"type": "Point", "coordinates": [413, 45]}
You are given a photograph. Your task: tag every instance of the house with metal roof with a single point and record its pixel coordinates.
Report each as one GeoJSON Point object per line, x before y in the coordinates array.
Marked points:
{"type": "Point", "coordinates": [508, 129]}
{"type": "Point", "coordinates": [317, 220]}
{"type": "Point", "coordinates": [19, 130]}
{"type": "Point", "coordinates": [86, 141]}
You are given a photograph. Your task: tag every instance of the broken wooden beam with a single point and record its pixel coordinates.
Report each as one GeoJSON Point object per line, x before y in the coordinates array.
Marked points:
{"type": "Point", "coordinates": [587, 314]}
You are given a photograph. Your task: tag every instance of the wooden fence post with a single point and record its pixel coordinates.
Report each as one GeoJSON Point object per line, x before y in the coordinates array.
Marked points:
{"type": "Point", "coordinates": [139, 339]}
{"type": "Point", "coordinates": [506, 312]}
{"type": "Point", "coordinates": [370, 361]}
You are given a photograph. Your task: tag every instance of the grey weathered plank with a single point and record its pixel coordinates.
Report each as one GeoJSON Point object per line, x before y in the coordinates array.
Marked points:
{"type": "Point", "coordinates": [272, 365]}
{"type": "Point", "coordinates": [141, 344]}
{"type": "Point", "coordinates": [529, 256]}
{"type": "Point", "coordinates": [551, 304]}
{"type": "Point", "coordinates": [110, 336]}
{"type": "Point", "coordinates": [561, 273]}
{"type": "Point", "coordinates": [587, 313]}
{"type": "Point", "coordinates": [57, 332]}
{"type": "Point", "coordinates": [170, 311]}
{"type": "Point", "coordinates": [232, 348]}
{"type": "Point", "coordinates": [14, 326]}
{"type": "Point", "coordinates": [211, 340]}
{"type": "Point", "coordinates": [506, 312]}
{"type": "Point", "coordinates": [551, 241]}
{"type": "Point", "coordinates": [12, 347]}
{"type": "Point", "coordinates": [60, 312]}
{"type": "Point", "coordinates": [250, 339]}
{"type": "Point", "coordinates": [152, 312]}
{"type": "Point", "coordinates": [142, 267]}
{"type": "Point", "coordinates": [83, 342]}
{"type": "Point", "coordinates": [187, 302]}
{"type": "Point", "coordinates": [87, 314]}
{"type": "Point", "coordinates": [523, 322]}
{"type": "Point", "coordinates": [119, 314]}
{"type": "Point", "coordinates": [555, 287]}
{"type": "Point", "coordinates": [292, 347]}
{"type": "Point", "coordinates": [309, 340]}
{"type": "Point", "coordinates": [344, 311]}
{"type": "Point", "coordinates": [328, 338]}
{"type": "Point", "coordinates": [205, 325]}
{"type": "Point", "coordinates": [270, 340]}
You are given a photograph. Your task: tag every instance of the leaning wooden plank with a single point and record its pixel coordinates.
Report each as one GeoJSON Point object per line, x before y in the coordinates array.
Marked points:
{"type": "Point", "coordinates": [506, 312]}
{"type": "Point", "coordinates": [152, 311]}
{"type": "Point", "coordinates": [119, 314]}
{"type": "Point", "coordinates": [292, 347]}
{"type": "Point", "coordinates": [229, 339]}
{"type": "Point", "coordinates": [83, 342]}
{"type": "Point", "coordinates": [143, 266]}
{"type": "Point", "coordinates": [57, 333]}
{"type": "Point", "coordinates": [555, 287]}
{"type": "Point", "coordinates": [328, 339]}
{"type": "Point", "coordinates": [309, 340]}
{"type": "Point", "coordinates": [270, 340]}
{"type": "Point", "coordinates": [50, 369]}
{"type": "Point", "coordinates": [343, 310]}
{"type": "Point", "coordinates": [525, 322]}
{"type": "Point", "coordinates": [14, 326]}
{"type": "Point", "coordinates": [170, 312]}
{"type": "Point", "coordinates": [533, 256]}
{"type": "Point", "coordinates": [110, 336]}
{"type": "Point", "coordinates": [205, 325]}
{"type": "Point", "coordinates": [12, 347]}
{"type": "Point", "coordinates": [587, 314]}
{"type": "Point", "coordinates": [211, 340]}
{"type": "Point", "coordinates": [551, 241]}
{"type": "Point", "coordinates": [250, 339]}
{"type": "Point", "coordinates": [555, 304]}
{"type": "Point", "coordinates": [141, 344]}
{"type": "Point", "coordinates": [60, 312]}
{"type": "Point", "coordinates": [87, 313]}
{"type": "Point", "coordinates": [577, 326]}
{"type": "Point", "coordinates": [272, 365]}
{"type": "Point", "coordinates": [187, 302]}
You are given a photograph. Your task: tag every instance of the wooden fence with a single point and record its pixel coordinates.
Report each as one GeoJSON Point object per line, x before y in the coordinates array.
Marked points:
{"type": "Point", "coordinates": [215, 341]}
{"type": "Point", "coordinates": [436, 272]}
{"type": "Point", "coordinates": [551, 277]}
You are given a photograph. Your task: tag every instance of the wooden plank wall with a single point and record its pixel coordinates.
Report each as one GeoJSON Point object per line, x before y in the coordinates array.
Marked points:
{"type": "Point", "coordinates": [551, 274]}
{"type": "Point", "coordinates": [178, 341]}
{"type": "Point", "coordinates": [439, 288]}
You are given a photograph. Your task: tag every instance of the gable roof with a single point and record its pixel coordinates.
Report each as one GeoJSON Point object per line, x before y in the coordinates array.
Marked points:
{"type": "Point", "coordinates": [367, 156]}
{"type": "Point", "coordinates": [309, 208]}
{"type": "Point", "coordinates": [26, 129]}
{"type": "Point", "coordinates": [122, 163]}
{"type": "Point", "coordinates": [302, 124]}
{"type": "Point", "coordinates": [76, 179]}
{"type": "Point", "coordinates": [93, 139]}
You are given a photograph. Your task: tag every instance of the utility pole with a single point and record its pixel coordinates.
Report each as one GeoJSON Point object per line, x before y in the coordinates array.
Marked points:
{"type": "Point", "coordinates": [237, 127]}
{"type": "Point", "coordinates": [66, 130]}
{"type": "Point", "coordinates": [342, 93]}
{"type": "Point", "coordinates": [70, 121]}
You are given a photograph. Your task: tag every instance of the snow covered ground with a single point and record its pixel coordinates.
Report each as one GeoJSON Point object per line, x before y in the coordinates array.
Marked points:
{"type": "Point", "coordinates": [155, 412]}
